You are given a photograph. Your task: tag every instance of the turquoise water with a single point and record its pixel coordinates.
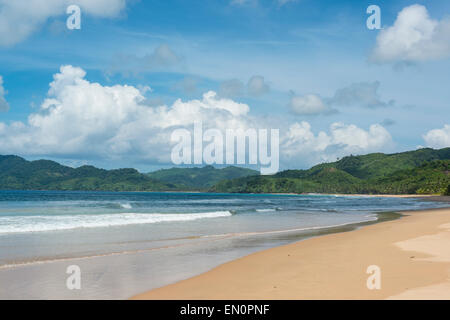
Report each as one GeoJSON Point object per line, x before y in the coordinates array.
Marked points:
{"type": "Point", "coordinates": [126, 243]}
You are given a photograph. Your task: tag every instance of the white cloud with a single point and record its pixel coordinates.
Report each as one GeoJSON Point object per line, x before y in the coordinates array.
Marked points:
{"type": "Point", "coordinates": [83, 120]}
{"type": "Point", "coordinates": [413, 37]}
{"type": "Point", "coordinates": [4, 105]}
{"type": "Point", "coordinates": [359, 140]}
{"type": "Point", "coordinates": [307, 105]}
{"type": "Point", "coordinates": [20, 18]}
{"type": "Point", "coordinates": [341, 140]}
{"type": "Point", "coordinates": [438, 138]}
{"type": "Point", "coordinates": [360, 94]}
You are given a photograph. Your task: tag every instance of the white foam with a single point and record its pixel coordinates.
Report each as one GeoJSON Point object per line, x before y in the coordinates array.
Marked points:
{"type": "Point", "coordinates": [18, 224]}
{"type": "Point", "coordinates": [126, 205]}
{"type": "Point", "coordinates": [265, 210]}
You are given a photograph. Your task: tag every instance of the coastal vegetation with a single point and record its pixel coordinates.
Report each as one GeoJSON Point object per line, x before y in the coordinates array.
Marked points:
{"type": "Point", "coordinates": [17, 173]}
{"type": "Point", "coordinates": [200, 178]}
{"type": "Point", "coordinates": [423, 171]}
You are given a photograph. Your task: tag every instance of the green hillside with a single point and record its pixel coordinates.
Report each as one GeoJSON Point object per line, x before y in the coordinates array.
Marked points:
{"type": "Point", "coordinates": [19, 174]}
{"type": "Point", "coordinates": [424, 171]}
{"type": "Point", "coordinates": [200, 178]}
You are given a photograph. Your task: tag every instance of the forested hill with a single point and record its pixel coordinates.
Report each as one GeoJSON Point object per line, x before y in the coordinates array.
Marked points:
{"type": "Point", "coordinates": [424, 171]}
{"type": "Point", "coordinates": [200, 178]}
{"type": "Point", "coordinates": [17, 173]}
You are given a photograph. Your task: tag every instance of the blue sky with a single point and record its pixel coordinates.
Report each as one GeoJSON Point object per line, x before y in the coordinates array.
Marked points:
{"type": "Point", "coordinates": [319, 63]}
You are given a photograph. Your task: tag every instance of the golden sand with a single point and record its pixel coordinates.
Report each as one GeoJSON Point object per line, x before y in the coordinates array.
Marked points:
{"type": "Point", "coordinates": [413, 254]}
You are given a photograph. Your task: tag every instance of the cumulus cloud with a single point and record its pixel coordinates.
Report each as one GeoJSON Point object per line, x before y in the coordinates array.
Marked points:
{"type": "Point", "coordinates": [163, 58]}
{"type": "Point", "coordinates": [83, 120]}
{"type": "Point", "coordinates": [360, 94]}
{"type": "Point", "coordinates": [413, 37]}
{"type": "Point", "coordinates": [308, 104]}
{"type": "Point", "coordinates": [301, 143]}
{"type": "Point", "coordinates": [4, 105]}
{"type": "Point", "coordinates": [20, 18]}
{"type": "Point", "coordinates": [438, 138]}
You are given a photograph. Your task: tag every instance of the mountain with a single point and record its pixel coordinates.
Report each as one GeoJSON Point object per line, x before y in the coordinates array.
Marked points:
{"type": "Point", "coordinates": [200, 178]}
{"type": "Point", "coordinates": [424, 171]}
{"type": "Point", "coordinates": [17, 173]}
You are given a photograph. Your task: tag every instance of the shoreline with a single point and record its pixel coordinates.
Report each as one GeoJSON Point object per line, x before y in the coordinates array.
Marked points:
{"type": "Point", "coordinates": [231, 193]}
{"type": "Point", "coordinates": [412, 253]}
{"type": "Point", "coordinates": [12, 275]}
{"type": "Point", "coordinates": [309, 232]}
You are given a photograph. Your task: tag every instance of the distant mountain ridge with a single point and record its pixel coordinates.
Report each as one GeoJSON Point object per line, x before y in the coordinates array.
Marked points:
{"type": "Point", "coordinates": [200, 178]}
{"type": "Point", "coordinates": [17, 173]}
{"type": "Point", "coordinates": [423, 171]}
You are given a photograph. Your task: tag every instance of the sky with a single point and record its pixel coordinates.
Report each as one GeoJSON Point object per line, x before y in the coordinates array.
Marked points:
{"type": "Point", "coordinates": [111, 93]}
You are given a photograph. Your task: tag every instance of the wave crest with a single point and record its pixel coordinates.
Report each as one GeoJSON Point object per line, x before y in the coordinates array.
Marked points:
{"type": "Point", "coordinates": [18, 224]}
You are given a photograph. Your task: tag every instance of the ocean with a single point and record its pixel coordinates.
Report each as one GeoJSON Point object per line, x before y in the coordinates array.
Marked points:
{"type": "Point", "coordinates": [128, 242]}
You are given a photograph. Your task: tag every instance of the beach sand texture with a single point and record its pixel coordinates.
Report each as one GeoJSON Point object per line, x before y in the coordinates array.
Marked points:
{"type": "Point", "coordinates": [413, 254]}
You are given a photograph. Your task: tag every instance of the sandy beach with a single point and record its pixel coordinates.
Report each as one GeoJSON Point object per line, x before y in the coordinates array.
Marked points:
{"type": "Point", "coordinates": [412, 253]}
